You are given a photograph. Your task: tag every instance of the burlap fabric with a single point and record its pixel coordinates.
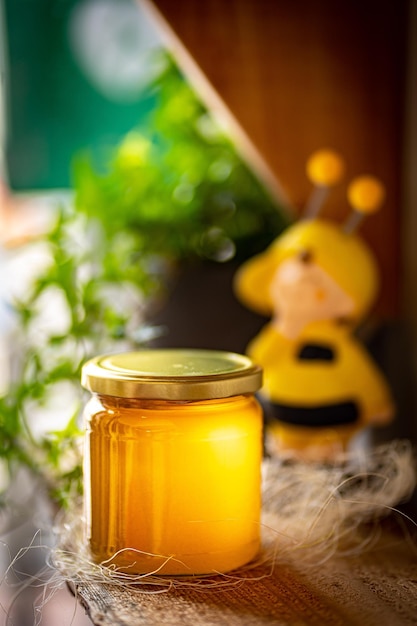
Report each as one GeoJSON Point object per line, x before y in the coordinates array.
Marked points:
{"type": "Point", "coordinates": [375, 588]}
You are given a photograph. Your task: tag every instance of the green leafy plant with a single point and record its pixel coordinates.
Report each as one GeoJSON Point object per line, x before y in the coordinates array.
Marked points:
{"type": "Point", "coordinates": [177, 184]}
{"type": "Point", "coordinates": [174, 190]}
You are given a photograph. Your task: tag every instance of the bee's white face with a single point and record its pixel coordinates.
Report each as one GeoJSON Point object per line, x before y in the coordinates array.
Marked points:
{"type": "Point", "coordinates": [302, 292]}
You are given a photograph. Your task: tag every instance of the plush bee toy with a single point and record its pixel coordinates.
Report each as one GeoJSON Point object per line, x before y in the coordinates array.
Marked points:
{"type": "Point", "coordinates": [317, 281]}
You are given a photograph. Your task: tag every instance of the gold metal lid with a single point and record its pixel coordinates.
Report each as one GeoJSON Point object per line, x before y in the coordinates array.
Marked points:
{"type": "Point", "coordinates": [172, 374]}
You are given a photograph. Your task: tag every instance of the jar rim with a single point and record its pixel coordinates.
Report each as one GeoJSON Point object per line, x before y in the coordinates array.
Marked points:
{"type": "Point", "coordinates": [172, 374]}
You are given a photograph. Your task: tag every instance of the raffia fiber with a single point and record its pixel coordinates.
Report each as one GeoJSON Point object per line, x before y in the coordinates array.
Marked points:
{"type": "Point", "coordinates": [319, 526]}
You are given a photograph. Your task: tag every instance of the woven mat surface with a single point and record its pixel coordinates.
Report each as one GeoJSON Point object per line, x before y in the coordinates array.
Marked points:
{"type": "Point", "coordinates": [377, 588]}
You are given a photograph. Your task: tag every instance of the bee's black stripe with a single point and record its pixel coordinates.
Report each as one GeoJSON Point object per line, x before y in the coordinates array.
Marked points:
{"type": "Point", "coordinates": [337, 414]}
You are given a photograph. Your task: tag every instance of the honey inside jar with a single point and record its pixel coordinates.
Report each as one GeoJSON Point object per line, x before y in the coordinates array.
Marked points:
{"type": "Point", "coordinates": [173, 484]}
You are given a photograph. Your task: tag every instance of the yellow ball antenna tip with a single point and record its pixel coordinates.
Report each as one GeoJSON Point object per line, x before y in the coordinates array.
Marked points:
{"type": "Point", "coordinates": [325, 168]}
{"type": "Point", "coordinates": [366, 194]}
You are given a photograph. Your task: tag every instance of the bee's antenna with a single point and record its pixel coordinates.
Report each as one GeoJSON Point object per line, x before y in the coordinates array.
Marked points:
{"type": "Point", "coordinates": [325, 169]}
{"type": "Point", "coordinates": [366, 195]}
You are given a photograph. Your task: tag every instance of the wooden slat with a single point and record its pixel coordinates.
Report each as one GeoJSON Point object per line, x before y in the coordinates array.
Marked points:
{"type": "Point", "coordinates": [375, 588]}
{"type": "Point", "coordinates": [301, 75]}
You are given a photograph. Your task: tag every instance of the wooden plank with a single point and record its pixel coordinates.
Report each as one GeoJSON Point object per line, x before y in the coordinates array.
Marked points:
{"type": "Point", "coordinates": [298, 76]}
{"type": "Point", "coordinates": [375, 588]}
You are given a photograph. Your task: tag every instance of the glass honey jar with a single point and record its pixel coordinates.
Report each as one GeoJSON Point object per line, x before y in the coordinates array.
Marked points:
{"type": "Point", "coordinates": [173, 460]}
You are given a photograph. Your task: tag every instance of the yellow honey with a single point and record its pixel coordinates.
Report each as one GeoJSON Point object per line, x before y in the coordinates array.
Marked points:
{"type": "Point", "coordinates": [173, 458]}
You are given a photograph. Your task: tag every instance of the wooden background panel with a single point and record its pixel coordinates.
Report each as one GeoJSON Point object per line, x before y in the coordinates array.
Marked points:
{"type": "Point", "coordinates": [302, 75]}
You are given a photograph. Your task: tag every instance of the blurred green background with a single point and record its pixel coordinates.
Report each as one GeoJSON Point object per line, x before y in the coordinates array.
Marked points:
{"type": "Point", "coordinates": [76, 77]}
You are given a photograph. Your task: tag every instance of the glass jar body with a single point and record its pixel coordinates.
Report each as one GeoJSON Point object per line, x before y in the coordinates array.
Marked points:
{"type": "Point", "coordinates": [173, 487]}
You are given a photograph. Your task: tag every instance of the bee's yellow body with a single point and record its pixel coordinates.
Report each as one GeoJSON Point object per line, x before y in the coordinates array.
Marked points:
{"type": "Point", "coordinates": [320, 385]}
